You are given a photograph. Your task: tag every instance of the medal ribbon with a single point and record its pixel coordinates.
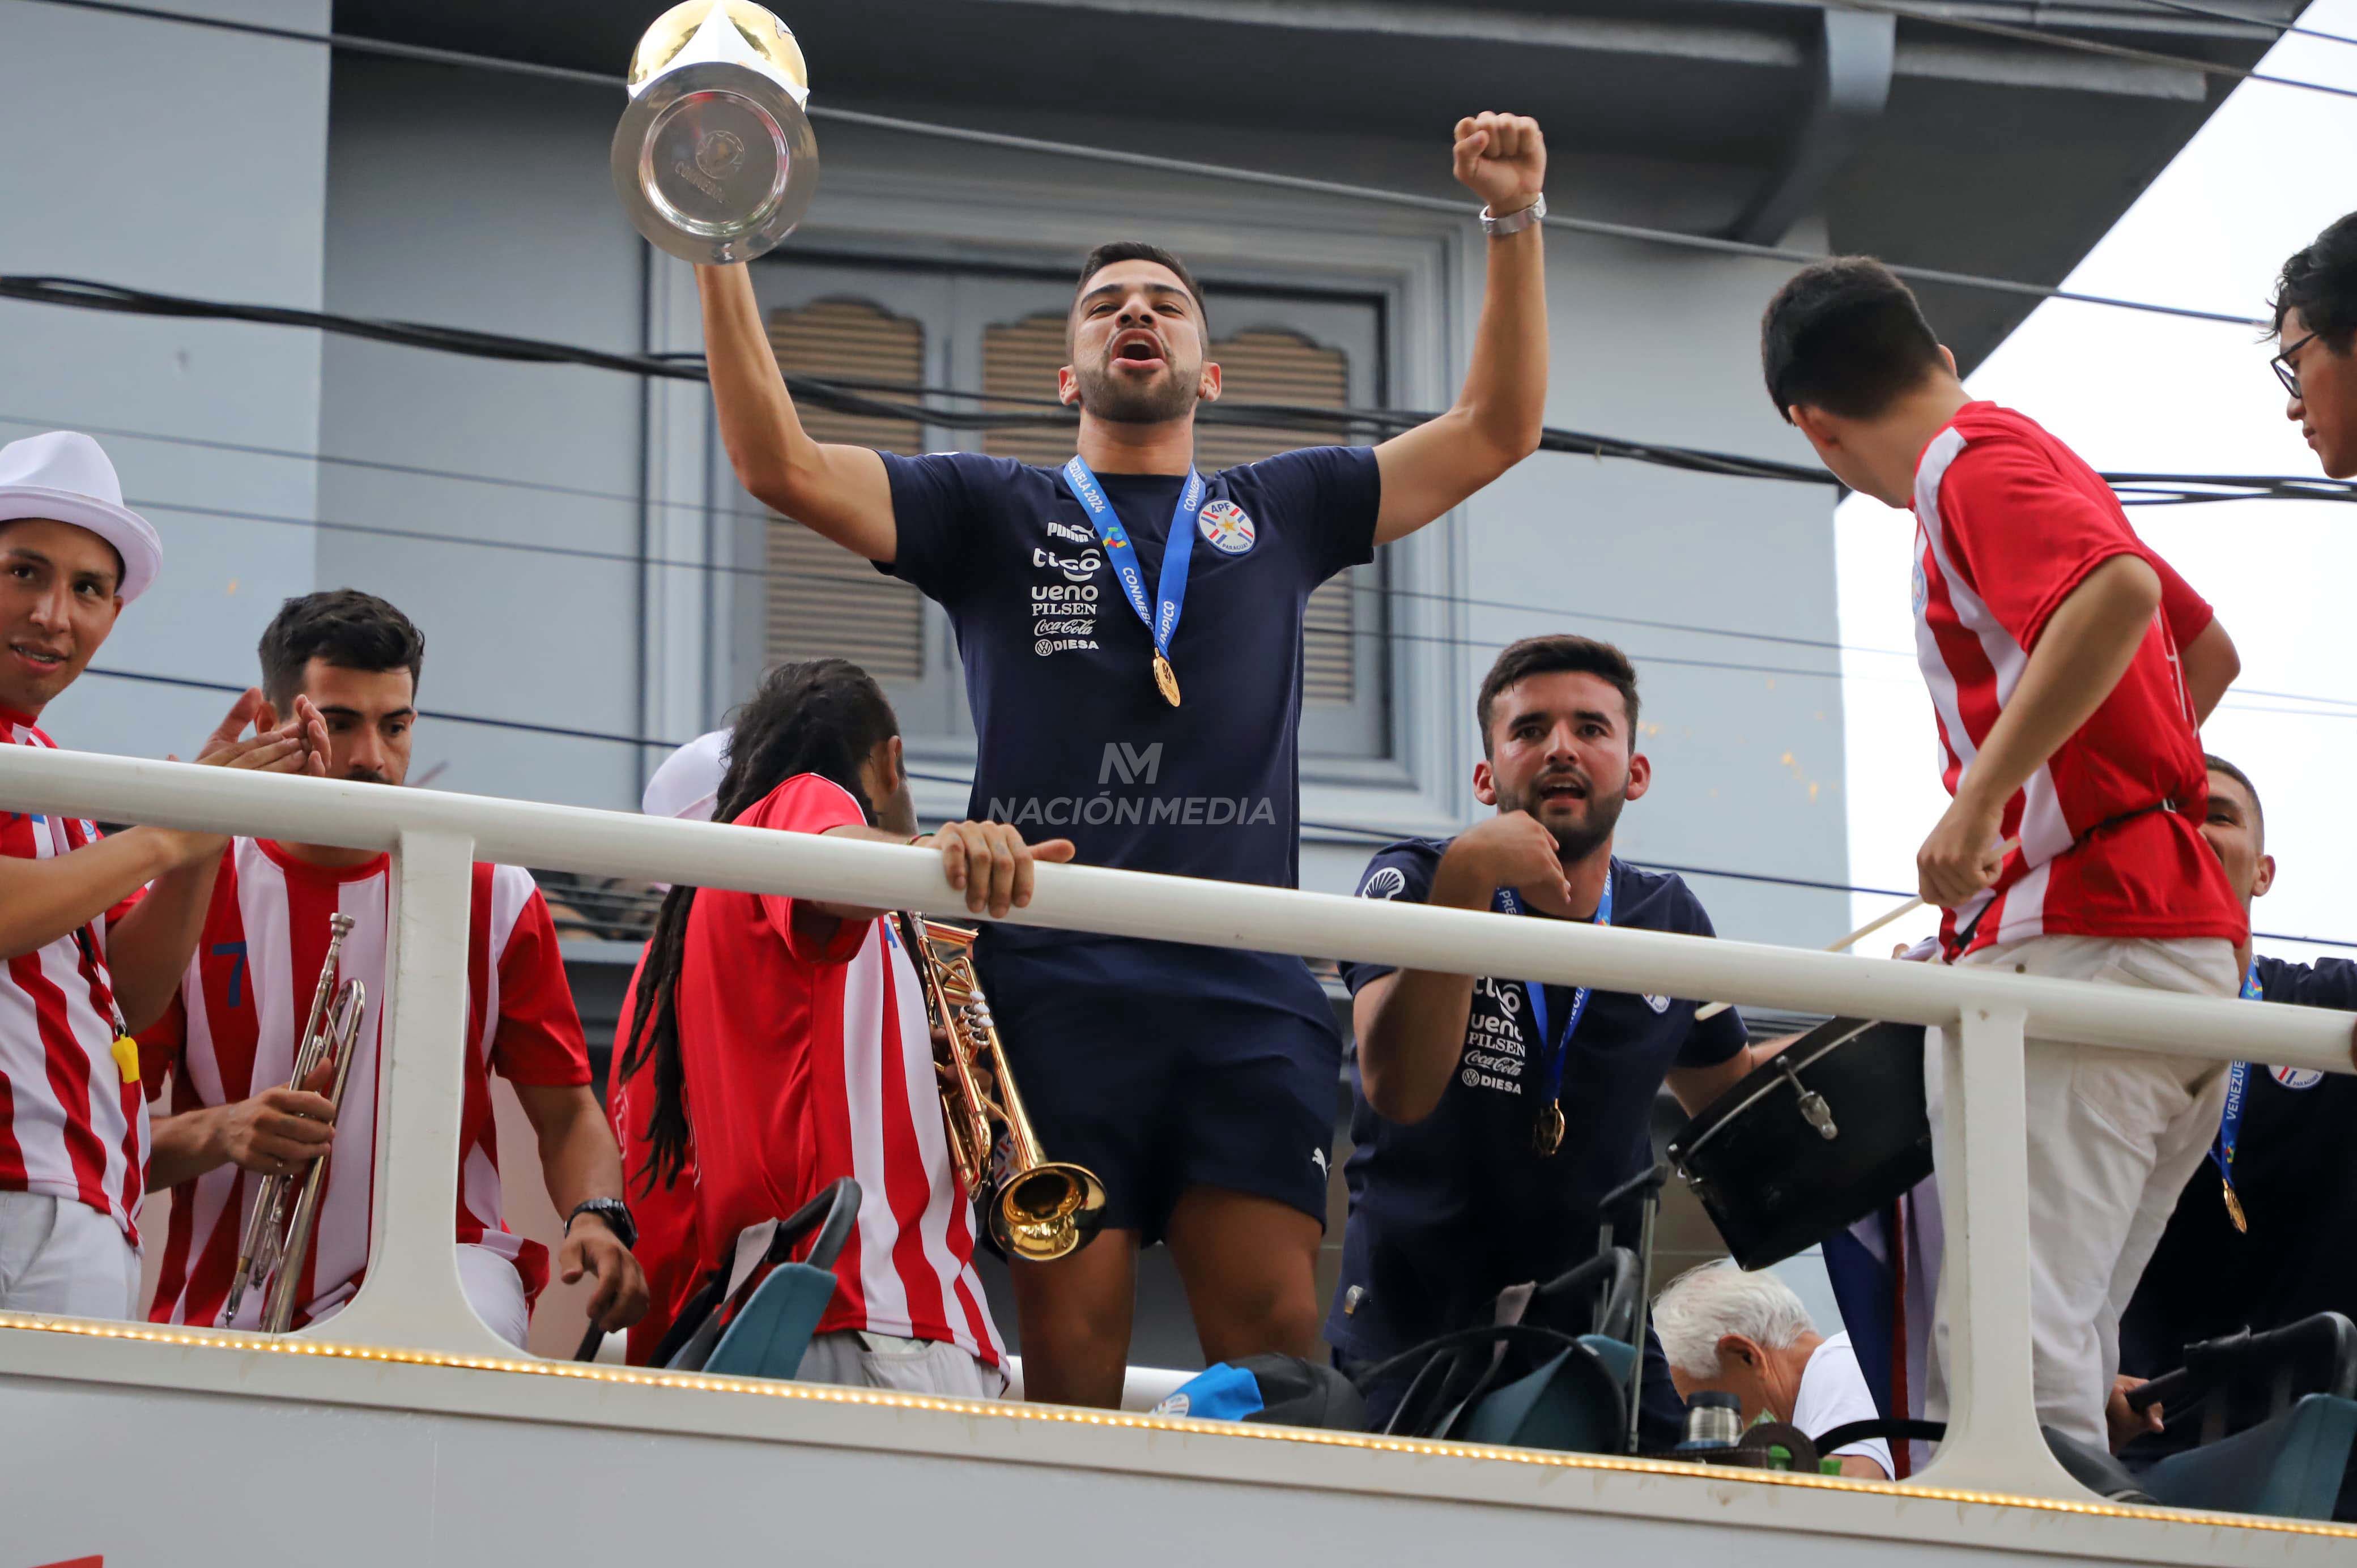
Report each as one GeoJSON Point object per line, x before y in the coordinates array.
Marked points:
{"type": "Point", "coordinates": [2238, 1078]}
{"type": "Point", "coordinates": [1555, 1052]}
{"type": "Point", "coordinates": [1162, 619]}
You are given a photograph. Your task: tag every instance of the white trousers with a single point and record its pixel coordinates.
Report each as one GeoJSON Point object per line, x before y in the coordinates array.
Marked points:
{"type": "Point", "coordinates": [865, 1360]}
{"type": "Point", "coordinates": [493, 1289]}
{"type": "Point", "coordinates": [2113, 1137]}
{"type": "Point", "coordinates": [63, 1257]}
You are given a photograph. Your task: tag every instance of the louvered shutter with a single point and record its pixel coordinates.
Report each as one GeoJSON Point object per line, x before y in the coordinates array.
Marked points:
{"type": "Point", "coordinates": [823, 601]}
{"type": "Point", "coordinates": [1020, 359]}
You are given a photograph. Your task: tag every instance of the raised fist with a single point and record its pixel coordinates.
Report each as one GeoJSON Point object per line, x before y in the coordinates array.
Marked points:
{"type": "Point", "coordinates": [1501, 158]}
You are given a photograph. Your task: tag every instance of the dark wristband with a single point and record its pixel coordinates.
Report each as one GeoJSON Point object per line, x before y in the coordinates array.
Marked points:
{"type": "Point", "coordinates": [613, 1211]}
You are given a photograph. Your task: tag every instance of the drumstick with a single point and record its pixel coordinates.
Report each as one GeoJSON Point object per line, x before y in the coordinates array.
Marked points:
{"type": "Point", "coordinates": [1867, 930]}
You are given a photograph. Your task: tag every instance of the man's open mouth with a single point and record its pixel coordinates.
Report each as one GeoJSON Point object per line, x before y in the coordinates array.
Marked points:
{"type": "Point", "coordinates": [1552, 789]}
{"type": "Point", "coordinates": [40, 658]}
{"type": "Point", "coordinates": [1141, 349]}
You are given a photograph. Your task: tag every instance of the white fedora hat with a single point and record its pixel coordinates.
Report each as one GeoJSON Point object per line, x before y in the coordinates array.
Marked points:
{"type": "Point", "coordinates": [64, 477]}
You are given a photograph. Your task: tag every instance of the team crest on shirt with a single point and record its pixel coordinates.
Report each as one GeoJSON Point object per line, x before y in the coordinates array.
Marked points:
{"type": "Point", "coordinates": [2296, 1078]}
{"type": "Point", "coordinates": [1225, 528]}
{"type": "Point", "coordinates": [1921, 589]}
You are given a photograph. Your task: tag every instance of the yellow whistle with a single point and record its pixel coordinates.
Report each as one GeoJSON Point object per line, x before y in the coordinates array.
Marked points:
{"type": "Point", "coordinates": [126, 1051]}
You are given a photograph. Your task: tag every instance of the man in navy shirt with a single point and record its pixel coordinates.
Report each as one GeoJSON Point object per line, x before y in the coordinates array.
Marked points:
{"type": "Point", "coordinates": [1491, 1116]}
{"type": "Point", "coordinates": [1132, 635]}
{"type": "Point", "coordinates": [2288, 1159]}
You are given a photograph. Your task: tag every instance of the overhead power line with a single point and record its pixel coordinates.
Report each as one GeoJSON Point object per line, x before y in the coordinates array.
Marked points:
{"type": "Point", "coordinates": [2334, 492]}
{"type": "Point", "coordinates": [2140, 489]}
{"type": "Point", "coordinates": [2086, 45]}
{"type": "Point", "coordinates": [1373, 835]}
{"type": "Point", "coordinates": [358, 44]}
{"type": "Point", "coordinates": [2280, 29]}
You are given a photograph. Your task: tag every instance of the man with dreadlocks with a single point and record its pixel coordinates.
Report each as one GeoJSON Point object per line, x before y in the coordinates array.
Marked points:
{"type": "Point", "coordinates": [796, 1030]}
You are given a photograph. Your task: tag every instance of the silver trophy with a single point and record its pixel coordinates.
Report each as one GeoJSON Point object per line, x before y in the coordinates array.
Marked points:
{"type": "Point", "coordinates": [714, 159]}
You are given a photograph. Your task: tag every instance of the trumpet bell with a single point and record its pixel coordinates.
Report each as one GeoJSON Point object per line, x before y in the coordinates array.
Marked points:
{"type": "Point", "coordinates": [1047, 1212]}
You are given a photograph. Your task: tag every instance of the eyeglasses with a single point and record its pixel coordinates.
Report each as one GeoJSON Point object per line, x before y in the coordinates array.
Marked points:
{"type": "Point", "coordinates": [2285, 367]}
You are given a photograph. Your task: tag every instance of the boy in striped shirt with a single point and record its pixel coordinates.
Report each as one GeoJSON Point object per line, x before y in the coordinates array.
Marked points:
{"type": "Point", "coordinates": [2068, 669]}
{"type": "Point", "coordinates": [227, 1040]}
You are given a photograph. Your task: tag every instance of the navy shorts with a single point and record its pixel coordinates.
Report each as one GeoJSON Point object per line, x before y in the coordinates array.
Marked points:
{"type": "Point", "coordinates": [1161, 1069]}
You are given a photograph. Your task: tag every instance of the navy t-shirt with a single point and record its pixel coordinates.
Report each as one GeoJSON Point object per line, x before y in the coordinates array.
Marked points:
{"type": "Point", "coordinates": [2295, 1173]}
{"type": "Point", "coordinates": [1073, 739]}
{"type": "Point", "coordinates": [1448, 1211]}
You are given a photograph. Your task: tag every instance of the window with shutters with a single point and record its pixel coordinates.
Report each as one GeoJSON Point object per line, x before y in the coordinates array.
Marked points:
{"type": "Point", "coordinates": [1000, 334]}
{"type": "Point", "coordinates": [821, 600]}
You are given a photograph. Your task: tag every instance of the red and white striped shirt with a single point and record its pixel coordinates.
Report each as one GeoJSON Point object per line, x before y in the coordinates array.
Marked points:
{"type": "Point", "coordinates": [231, 1034]}
{"type": "Point", "coordinates": [808, 1058]}
{"type": "Point", "coordinates": [2009, 522]}
{"type": "Point", "coordinates": [70, 1125]}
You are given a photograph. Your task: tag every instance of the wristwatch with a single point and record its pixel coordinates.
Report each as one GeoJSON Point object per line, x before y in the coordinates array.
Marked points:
{"type": "Point", "coordinates": [613, 1211]}
{"type": "Point", "coordinates": [1513, 222]}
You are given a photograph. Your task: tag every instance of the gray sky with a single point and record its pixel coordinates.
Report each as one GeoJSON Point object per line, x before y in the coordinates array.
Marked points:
{"type": "Point", "coordinates": [2131, 391]}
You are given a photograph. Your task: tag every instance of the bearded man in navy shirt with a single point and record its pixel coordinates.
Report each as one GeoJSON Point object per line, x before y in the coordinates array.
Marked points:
{"type": "Point", "coordinates": [2260, 1235]}
{"type": "Point", "coordinates": [1132, 636]}
{"type": "Point", "coordinates": [1492, 1115]}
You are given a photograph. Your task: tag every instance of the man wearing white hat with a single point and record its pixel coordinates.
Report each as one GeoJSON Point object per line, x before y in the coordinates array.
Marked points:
{"type": "Point", "coordinates": [86, 956]}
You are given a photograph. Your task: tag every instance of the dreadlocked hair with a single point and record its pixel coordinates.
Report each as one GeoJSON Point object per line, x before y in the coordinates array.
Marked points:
{"type": "Point", "coordinates": [826, 716]}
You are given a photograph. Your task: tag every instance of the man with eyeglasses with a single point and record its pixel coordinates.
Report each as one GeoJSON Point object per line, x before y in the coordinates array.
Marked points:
{"type": "Point", "coordinates": [2316, 324]}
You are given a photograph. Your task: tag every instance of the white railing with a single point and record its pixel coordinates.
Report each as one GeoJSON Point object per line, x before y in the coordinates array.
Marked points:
{"type": "Point", "coordinates": [412, 1296]}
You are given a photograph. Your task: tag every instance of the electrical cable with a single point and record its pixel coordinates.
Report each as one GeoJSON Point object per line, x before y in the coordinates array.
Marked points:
{"type": "Point", "coordinates": [2280, 29]}
{"type": "Point", "coordinates": [2086, 45]}
{"type": "Point", "coordinates": [357, 44]}
{"type": "Point", "coordinates": [864, 579]}
{"type": "Point", "coordinates": [1380, 634]}
{"type": "Point", "coordinates": [2140, 489]}
{"type": "Point", "coordinates": [1372, 834]}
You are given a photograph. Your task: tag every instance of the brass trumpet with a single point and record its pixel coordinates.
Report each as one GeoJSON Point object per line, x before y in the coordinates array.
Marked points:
{"type": "Point", "coordinates": [1036, 1208]}
{"type": "Point", "coordinates": [275, 1245]}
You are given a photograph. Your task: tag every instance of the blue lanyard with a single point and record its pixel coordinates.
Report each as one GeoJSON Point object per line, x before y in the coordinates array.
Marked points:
{"type": "Point", "coordinates": [1555, 1050]}
{"type": "Point", "coordinates": [1162, 619]}
{"type": "Point", "coordinates": [2238, 1078]}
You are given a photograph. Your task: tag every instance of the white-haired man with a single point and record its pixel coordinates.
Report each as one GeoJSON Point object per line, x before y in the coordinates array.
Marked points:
{"type": "Point", "coordinates": [1748, 1335]}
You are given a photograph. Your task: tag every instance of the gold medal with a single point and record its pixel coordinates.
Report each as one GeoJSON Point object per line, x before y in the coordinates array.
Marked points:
{"type": "Point", "coordinates": [1546, 1137]}
{"type": "Point", "coordinates": [2234, 1209]}
{"type": "Point", "coordinates": [1166, 679]}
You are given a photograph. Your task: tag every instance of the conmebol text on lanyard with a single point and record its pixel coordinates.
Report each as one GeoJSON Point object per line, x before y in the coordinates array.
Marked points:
{"type": "Point", "coordinates": [2229, 1121]}
{"type": "Point", "coordinates": [1162, 618]}
{"type": "Point", "coordinates": [1547, 1135]}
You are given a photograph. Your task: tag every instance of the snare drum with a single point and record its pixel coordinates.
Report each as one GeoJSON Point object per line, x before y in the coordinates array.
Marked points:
{"type": "Point", "coordinates": [1825, 1132]}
